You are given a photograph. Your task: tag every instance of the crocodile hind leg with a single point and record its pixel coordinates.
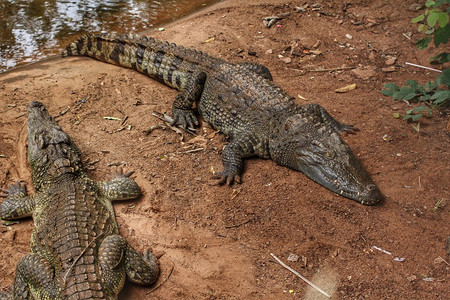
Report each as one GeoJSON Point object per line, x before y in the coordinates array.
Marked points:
{"type": "Point", "coordinates": [115, 254]}
{"type": "Point", "coordinates": [315, 110]}
{"type": "Point", "coordinates": [121, 187]}
{"type": "Point", "coordinates": [35, 279]}
{"type": "Point", "coordinates": [17, 204]}
{"type": "Point", "coordinates": [182, 106]}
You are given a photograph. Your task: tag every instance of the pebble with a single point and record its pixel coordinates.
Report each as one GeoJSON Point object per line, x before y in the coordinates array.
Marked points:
{"type": "Point", "coordinates": [388, 69]}
{"type": "Point", "coordinates": [286, 60]}
{"type": "Point", "coordinates": [364, 74]}
{"type": "Point", "coordinates": [391, 60]}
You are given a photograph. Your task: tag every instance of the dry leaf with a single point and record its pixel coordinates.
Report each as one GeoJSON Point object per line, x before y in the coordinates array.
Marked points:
{"type": "Point", "coordinates": [346, 89]}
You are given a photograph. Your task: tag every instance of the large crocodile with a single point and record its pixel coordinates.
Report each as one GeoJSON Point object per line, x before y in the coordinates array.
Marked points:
{"type": "Point", "coordinates": [242, 101]}
{"type": "Point", "coordinates": [76, 249]}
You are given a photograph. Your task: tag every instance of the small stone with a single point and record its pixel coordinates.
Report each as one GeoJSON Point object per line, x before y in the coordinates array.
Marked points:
{"type": "Point", "coordinates": [412, 277]}
{"type": "Point", "coordinates": [251, 52]}
{"type": "Point", "coordinates": [269, 51]}
{"type": "Point", "coordinates": [286, 60]}
{"type": "Point", "coordinates": [372, 55]}
{"type": "Point", "coordinates": [348, 36]}
{"type": "Point", "coordinates": [315, 52]}
{"type": "Point", "coordinates": [391, 60]}
{"type": "Point", "coordinates": [388, 69]}
{"type": "Point", "coordinates": [364, 74]}
{"type": "Point", "coordinates": [293, 257]}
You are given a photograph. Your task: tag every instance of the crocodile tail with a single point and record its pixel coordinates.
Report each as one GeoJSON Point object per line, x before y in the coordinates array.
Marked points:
{"type": "Point", "coordinates": [168, 63]}
{"type": "Point", "coordinates": [78, 47]}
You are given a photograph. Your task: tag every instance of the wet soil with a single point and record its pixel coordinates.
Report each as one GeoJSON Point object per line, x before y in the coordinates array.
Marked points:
{"type": "Point", "coordinates": [216, 241]}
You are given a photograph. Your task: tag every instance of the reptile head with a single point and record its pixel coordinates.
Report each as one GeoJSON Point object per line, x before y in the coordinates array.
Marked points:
{"type": "Point", "coordinates": [323, 156]}
{"type": "Point", "coordinates": [51, 152]}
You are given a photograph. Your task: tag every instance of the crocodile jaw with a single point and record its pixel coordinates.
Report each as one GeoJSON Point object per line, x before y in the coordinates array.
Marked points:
{"type": "Point", "coordinates": [326, 159]}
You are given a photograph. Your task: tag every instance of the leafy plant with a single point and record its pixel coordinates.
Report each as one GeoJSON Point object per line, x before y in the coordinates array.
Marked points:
{"type": "Point", "coordinates": [434, 93]}
{"type": "Point", "coordinates": [434, 22]}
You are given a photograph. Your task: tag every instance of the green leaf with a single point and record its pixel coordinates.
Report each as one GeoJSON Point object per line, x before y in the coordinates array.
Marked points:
{"type": "Point", "coordinates": [422, 28]}
{"type": "Point", "coordinates": [429, 3]}
{"type": "Point", "coordinates": [442, 19]}
{"type": "Point", "coordinates": [441, 58]}
{"type": "Point", "coordinates": [409, 96]}
{"type": "Point", "coordinates": [423, 43]}
{"type": "Point", "coordinates": [440, 96]}
{"type": "Point", "coordinates": [412, 83]}
{"type": "Point", "coordinates": [432, 19]}
{"type": "Point", "coordinates": [430, 85]}
{"type": "Point", "coordinates": [444, 78]}
{"type": "Point", "coordinates": [405, 91]}
{"type": "Point", "coordinates": [442, 35]}
{"type": "Point", "coordinates": [418, 109]}
{"type": "Point", "coordinates": [418, 19]}
{"type": "Point", "coordinates": [389, 89]}
{"type": "Point", "coordinates": [413, 118]}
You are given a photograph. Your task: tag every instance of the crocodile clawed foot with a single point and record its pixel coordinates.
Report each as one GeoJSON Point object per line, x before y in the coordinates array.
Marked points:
{"type": "Point", "coordinates": [14, 189]}
{"type": "Point", "coordinates": [349, 129]}
{"type": "Point", "coordinates": [229, 179]}
{"type": "Point", "coordinates": [119, 173]}
{"type": "Point", "coordinates": [184, 118]}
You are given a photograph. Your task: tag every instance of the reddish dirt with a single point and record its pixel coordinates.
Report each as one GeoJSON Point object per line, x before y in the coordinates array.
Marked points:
{"type": "Point", "coordinates": [218, 239]}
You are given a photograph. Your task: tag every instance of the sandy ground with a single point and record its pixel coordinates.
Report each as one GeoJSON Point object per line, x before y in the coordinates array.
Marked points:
{"type": "Point", "coordinates": [217, 240]}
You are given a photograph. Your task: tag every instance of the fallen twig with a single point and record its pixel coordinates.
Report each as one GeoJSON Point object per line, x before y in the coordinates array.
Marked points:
{"type": "Point", "coordinates": [153, 127]}
{"type": "Point", "coordinates": [423, 67]}
{"type": "Point", "coordinates": [162, 282]}
{"type": "Point", "coordinates": [238, 225]}
{"type": "Point", "coordinates": [299, 275]}
{"type": "Point", "coordinates": [194, 150]}
{"type": "Point", "coordinates": [329, 70]}
{"type": "Point", "coordinates": [61, 113]}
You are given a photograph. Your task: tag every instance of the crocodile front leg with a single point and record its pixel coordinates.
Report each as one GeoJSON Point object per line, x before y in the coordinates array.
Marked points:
{"type": "Point", "coordinates": [35, 279]}
{"type": "Point", "coordinates": [315, 110]}
{"type": "Point", "coordinates": [233, 158]}
{"type": "Point", "coordinates": [182, 106]}
{"type": "Point", "coordinates": [17, 204]}
{"type": "Point", "coordinates": [115, 254]}
{"type": "Point", "coordinates": [122, 187]}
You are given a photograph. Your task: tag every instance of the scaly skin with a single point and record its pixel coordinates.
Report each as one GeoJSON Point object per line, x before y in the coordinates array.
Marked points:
{"type": "Point", "coordinates": [242, 101]}
{"type": "Point", "coordinates": [76, 249]}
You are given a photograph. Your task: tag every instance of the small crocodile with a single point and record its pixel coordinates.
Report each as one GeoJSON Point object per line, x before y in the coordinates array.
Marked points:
{"type": "Point", "coordinates": [240, 100]}
{"type": "Point", "coordinates": [76, 249]}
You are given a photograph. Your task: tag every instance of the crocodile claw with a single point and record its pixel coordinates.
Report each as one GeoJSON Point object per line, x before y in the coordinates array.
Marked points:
{"type": "Point", "coordinates": [120, 173]}
{"type": "Point", "coordinates": [14, 189]}
{"type": "Point", "coordinates": [229, 179]}
{"type": "Point", "coordinates": [184, 118]}
{"type": "Point", "coordinates": [350, 129]}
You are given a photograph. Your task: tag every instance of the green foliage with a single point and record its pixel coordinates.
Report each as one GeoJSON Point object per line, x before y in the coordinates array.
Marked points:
{"type": "Point", "coordinates": [431, 94]}
{"type": "Point", "coordinates": [434, 23]}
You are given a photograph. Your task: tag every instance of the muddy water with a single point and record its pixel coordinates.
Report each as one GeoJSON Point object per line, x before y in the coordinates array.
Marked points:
{"type": "Point", "coordinates": [33, 29]}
